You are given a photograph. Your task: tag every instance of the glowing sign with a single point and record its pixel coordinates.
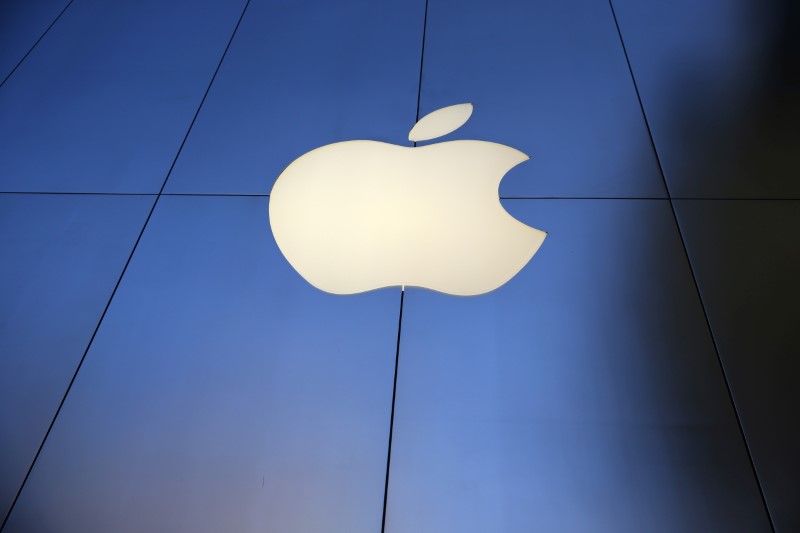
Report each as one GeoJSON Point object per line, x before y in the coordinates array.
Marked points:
{"type": "Point", "coordinates": [360, 215]}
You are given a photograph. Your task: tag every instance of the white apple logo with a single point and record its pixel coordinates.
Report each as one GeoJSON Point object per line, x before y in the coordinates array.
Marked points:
{"type": "Point", "coordinates": [360, 215]}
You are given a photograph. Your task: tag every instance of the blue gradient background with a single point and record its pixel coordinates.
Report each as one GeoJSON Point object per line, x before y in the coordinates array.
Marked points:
{"type": "Point", "coordinates": [640, 374]}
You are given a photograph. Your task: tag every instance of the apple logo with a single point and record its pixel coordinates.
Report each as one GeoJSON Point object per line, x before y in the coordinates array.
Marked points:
{"type": "Point", "coordinates": [360, 215]}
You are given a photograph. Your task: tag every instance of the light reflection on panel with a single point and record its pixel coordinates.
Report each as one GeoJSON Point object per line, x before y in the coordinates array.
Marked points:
{"type": "Point", "coordinates": [223, 393]}
{"type": "Point", "coordinates": [298, 76]}
{"type": "Point", "coordinates": [584, 395]}
{"type": "Point", "coordinates": [62, 256]}
{"type": "Point", "coordinates": [21, 24]}
{"type": "Point", "coordinates": [719, 84]}
{"type": "Point", "coordinates": [103, 102]}
{"type": "Point", "coordinates": [747, 257]}
{"type": "Point", "coordinates": [550, 79]}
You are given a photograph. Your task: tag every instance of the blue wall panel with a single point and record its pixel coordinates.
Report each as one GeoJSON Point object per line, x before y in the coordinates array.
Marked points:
{"type": "Point", "coordinates": [62, 256]}
{"type": "Point", "coordinates": [719, 84]}
{"type": "Point", "coordinates": [223, 393]}
{"type": "Point", "coordinates": [21, 25]}
{"type": "Point", "coordinates": [584, 395]}
{"type": "Point", "coordinates": [550, 79]}
{"type": "Point", "coordinates": [104, 101]}
{"type": "Point", "coordinates": [298, 76]}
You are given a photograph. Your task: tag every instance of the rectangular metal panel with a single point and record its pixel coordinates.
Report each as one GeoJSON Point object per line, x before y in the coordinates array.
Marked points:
{"type": "Point", "coordinates": [298, 76]}
{"type": "Point", "coordinates": [61, 257]}
{"type": "Point", "coordinates": [103, 103]}
{"type": "Point", "coordinates": [222, 393]}
{"type": "Point", "coordinates": [746, 255]}
{"type": "Point", "coordinates": [719, 84]}
{"type": "Point", "coordinates": [550, 79]}
{"type": "Point", "coordinates": [21, 25]}
{"type": "Point", "coordinates": [584, 395]}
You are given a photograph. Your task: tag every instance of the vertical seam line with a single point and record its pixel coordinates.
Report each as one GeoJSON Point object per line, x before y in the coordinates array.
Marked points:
{"type": "Point", "coordinates": [391, 418]}
{"type": "Point", "coordinates": [402, 296]}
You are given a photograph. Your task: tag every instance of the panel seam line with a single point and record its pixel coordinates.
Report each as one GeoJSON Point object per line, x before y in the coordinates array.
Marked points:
{"type": "Point", "coordinates": [692, 271]}
{"type": "Point", "coordinates": [24, 57]}
{"type": "Point", "coordinates": [402, 297]}
{"type": "Point", "coordinates": [121, 276]}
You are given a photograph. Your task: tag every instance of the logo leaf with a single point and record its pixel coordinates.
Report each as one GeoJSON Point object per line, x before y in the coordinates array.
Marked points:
{"type": "Point", "coordinates": [440, 122]}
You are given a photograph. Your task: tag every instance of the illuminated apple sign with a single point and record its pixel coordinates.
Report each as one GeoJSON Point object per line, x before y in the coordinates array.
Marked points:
{"type": "Point", "coordinates": [360, 215]}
